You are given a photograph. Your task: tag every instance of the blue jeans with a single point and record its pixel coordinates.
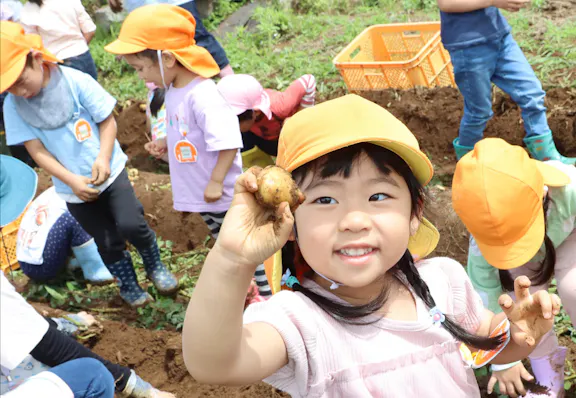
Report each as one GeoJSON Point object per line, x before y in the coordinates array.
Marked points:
{"type": "Point", "coordinates": [206, 39]}
{"type": "Point", "coordinates": [84, 63]}
{"type": "Point", "coordinates": [500, 62]}
{"type": "Point", "coordinates": [87, 378]}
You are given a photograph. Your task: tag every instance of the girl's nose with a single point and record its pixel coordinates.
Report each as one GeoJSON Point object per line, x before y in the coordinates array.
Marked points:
{"type": "Point", "coordinates": [355, 221]}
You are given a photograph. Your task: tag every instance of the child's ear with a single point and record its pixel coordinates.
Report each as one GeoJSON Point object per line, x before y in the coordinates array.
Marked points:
{"type": "Point", "coordinates": [38, 57]}
{"type": "Point", "coordinates": [414, 225]}
{"type": "Point", "coordinates": [292, 236]}
{"type": "Point", "coordinates": [168, 59]}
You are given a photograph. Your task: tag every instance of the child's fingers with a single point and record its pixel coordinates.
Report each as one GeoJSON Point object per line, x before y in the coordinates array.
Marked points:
{"type": "Point", "coordinates": [506, 303]}
{"type": "Point", "coordinates": [510, 389]}
{"type": "Point", "coordinates": [556, 304]}
{"type": "Point", "coordinates": [503, 389]}
{"type": "Point", "coordinates": [284, 222]}
{"type": "Point", "coordinates": [526, 375]}
{"type": "Point", "coordinates": [519, 386]}
{"type": "Point", "coordinates": [545, 300]}
{"type": "Point", "coordinates": [491, 384]}
{"type": "Point", "coordinates": [521, 288]}
{"type": "Point", "coordinates": [247, 182]}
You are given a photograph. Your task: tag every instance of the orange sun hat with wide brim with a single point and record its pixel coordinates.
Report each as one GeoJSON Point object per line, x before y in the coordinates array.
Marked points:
{"type": "Point", "coordinates": [164, 27]}
{"type": "Point", "coordinates": [339, 123]}
{"type": "Point", "coordinates": [15, 45]}
{"type": "Point", "coordinates": [498, 193]}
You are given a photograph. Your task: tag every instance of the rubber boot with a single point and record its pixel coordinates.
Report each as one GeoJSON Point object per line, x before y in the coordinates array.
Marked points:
{"type": "Point", "coordinates": [138, 388]}
{"type": "Point", "coordinates": [256, 157]}
{"type": "Point", "coordinates": [92, 265]}
{"type": "Point", "coordinates": [158, 273]}
{"type": "Point", "coordinates": [459, 149]}
{"type": "Point", "coordinates": [549, 372]}
{"type": "Point", "coordinates": [542, 147]}
{"type": "Point", "coordinates": [130, 290]}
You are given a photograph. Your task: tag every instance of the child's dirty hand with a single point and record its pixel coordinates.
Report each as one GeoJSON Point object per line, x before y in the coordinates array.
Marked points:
{"type": "Point", "coordinates": [532, 315]}
{"type": "Point", "coordinates": [511, 5]}
{"type": "Point", "coordinates": [510, 380]}
{"type": "Point", "coordinates": [213, 191]}
{"type": "Point", "coordinates": [251, 233]}
{"type": "Point", "coordinates": [82, 190]}
{"type": "Point", "coordinates": [157, 148]}
{"type": "Point", "coordinates": [100, 171]}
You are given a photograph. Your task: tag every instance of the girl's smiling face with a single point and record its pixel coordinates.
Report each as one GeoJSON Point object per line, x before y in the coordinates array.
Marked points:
{"type": "Point", "coordinates": [353, 230]}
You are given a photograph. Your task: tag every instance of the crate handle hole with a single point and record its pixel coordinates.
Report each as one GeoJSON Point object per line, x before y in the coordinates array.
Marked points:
{"type": "Point", "coordinates": [354, 53]}
{"type": "Point", "coordinates": [411, 33]}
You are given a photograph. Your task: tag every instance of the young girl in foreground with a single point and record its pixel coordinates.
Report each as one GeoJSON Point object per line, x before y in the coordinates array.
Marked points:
{"type": "Point", "coordinates": [362, 320]}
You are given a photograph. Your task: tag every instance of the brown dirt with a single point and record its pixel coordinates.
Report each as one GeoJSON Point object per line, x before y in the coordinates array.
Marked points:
{"type": "Point", "coordinates": [434, 116]}
{"type": "Point", "coordinates": [132, 136]}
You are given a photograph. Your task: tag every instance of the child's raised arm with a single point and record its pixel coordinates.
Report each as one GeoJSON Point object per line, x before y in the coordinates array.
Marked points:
{"type": "Point", "coordinates": [473, 5]}
{"type": "Point", "coordinates": [531, 317]}
{"type": "Point", "coordinates": [217, 347]}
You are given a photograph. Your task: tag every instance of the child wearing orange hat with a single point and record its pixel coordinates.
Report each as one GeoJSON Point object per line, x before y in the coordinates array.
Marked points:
{"type": "Point", "coordinates": [520, 214]}
{"type": "Point", "coordinates": [202, 132]}
{"type": "Point", "coordinates": [359, 318]}
{"type": "Point", "coordinates": [65, 120]}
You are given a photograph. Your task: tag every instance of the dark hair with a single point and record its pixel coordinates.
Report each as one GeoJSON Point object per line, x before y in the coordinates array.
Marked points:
{"type": "Point", "coordinates": [246, 115]}
{"type": "Point", "coordinates": [157, 101]}
{"type": "Point", "coordinates": [39, 3]}
{"type": "Point", "coordinates": [341, 163]}
{"type": "Point", "coordinates": [152, 55]}
{"type": "Point", "coordinates": [546, 271]}
{"type": "Point", "coordinates": [29, 60]}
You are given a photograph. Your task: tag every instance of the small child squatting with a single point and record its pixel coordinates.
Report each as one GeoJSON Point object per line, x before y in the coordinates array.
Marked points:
{"type": "Point", "coordinates": [357, 321]}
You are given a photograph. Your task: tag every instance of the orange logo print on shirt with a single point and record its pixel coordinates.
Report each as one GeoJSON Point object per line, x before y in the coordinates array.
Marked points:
{"type": "Point", "coordinates": [82, 130]}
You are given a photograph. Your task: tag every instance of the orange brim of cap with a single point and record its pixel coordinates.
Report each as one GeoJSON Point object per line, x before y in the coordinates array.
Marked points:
{"type": "Point", "coordinates": [194, 58]}
{"type": "Point", "coordinates": [523, 250]}
{"type": "Point", "coordinates": [421, 244]}
{"type": "Point", "coordinates": [120, 47]}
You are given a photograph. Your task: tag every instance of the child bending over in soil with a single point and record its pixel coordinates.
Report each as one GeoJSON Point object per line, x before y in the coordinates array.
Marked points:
{"type": "Point", "coordinates": [202, 132]}
{"type": "Point", "coordinates": [362, 319]}
{"type": "Point", "coordinates": [483, 52]}
{"type": "Point", "coordinates": [262, 112]}
{"type": "Point", "coordinates": [520, 213]}
{"type": "Point", "coordinates": [65, 120]}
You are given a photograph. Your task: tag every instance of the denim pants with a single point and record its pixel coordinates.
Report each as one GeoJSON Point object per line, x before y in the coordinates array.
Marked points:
{"type": "Point", "coordinates": [500, 62]}
{"type": "Point", "coordinates": [206, 39]}
{"type": "Point", "coordinates": [87, 378]}
{"type": "Point", "coordinates": [84, 63]}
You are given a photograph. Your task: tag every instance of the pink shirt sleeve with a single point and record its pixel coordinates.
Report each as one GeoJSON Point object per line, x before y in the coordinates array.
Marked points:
{"type": "Point", "coordinates": [468, 309]}
{"type": "Point", "coordinates": [290, 315]}
{"type": "Point", "coordinates": [84, 20]}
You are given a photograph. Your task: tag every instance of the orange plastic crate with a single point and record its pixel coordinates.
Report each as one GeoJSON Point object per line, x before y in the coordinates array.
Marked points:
{"type": "Point", "coordinates": [398, 56]}
{"type": "Point", "coordinates": [8, 237]}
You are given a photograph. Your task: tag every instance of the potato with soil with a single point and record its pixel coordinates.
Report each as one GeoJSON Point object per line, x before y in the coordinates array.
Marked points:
{"type": "Point", "coordinates": [276, 185]}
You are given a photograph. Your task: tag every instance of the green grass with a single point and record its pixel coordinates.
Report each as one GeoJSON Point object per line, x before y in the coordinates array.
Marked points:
{"type": "Point", "coordinates": [287, 44]}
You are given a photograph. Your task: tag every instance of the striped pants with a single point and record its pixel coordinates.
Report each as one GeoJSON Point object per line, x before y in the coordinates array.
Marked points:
{"type": "Point", "coordinates": [214, 222]}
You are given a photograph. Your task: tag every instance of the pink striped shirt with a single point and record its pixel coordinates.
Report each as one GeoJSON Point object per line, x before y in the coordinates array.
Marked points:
{"type": "Point", "coordinates": [387, 359]}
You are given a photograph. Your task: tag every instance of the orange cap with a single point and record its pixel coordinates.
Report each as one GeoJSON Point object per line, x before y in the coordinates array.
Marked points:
{"type": "Point", "coordinates": [15, 45]}
{"type": "Point", "coordinates": [497, 192]}
{"type": "Point", "coordinates": [164, 27]}
{"type": "Point", "coordinates": [342, 122]}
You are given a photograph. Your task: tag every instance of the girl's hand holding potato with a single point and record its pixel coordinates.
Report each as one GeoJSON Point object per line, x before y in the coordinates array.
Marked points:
{"type": "Point", "coordinates": [253, 232]}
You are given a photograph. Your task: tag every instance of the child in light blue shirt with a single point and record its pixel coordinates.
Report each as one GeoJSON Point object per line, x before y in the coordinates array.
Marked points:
{"type": "Point", "coordinates": [65, 119]}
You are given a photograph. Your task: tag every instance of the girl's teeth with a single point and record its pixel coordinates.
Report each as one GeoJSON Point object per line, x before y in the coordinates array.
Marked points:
{"type": "Point", "coordinates": [356, 252]}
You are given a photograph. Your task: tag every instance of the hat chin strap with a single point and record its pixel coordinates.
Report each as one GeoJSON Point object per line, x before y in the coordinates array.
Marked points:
{"type": "Point", "coordinates": [334, 285]}
{"type": "Point", "coordinates": [159, 53]}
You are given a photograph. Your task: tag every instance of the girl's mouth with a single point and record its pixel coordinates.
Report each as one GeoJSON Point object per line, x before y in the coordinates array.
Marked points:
{"type": "Point", "coordinates": [356, 256]}
{"type": "Point", "coordinates": [355, 252]}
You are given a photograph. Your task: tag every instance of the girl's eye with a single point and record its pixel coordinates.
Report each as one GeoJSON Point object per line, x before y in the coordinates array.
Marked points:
{"type": "Point", "coordinates": [325, 200]}
{"type": "Point", "coordinates": [377, 197]}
